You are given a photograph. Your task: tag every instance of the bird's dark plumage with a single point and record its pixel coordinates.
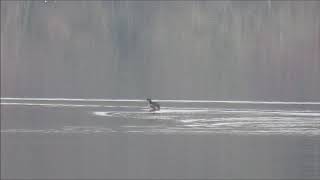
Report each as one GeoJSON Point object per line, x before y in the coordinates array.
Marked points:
{"type": "Point", "coordinates": [154, 106]}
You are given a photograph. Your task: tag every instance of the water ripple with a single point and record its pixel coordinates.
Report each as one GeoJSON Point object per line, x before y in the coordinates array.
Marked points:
{"type": "Point", "coordinates": [181, 117]}
{"type": "Point", "coordinates": [230, 121]}
{"type": "Point", "coordinates": [64, 130]}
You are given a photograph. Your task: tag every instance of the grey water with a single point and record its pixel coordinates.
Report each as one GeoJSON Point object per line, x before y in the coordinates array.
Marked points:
{"type": "Point", "coordinates": [55, 138]}
{"type": "Point", "coordinates": [238, 84]}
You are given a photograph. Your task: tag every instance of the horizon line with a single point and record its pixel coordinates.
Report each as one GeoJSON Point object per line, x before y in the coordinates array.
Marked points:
{"type": "Point", "coordinates": [163, 100]}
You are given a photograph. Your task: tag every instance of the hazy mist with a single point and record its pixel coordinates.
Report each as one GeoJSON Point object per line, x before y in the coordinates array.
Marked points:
{"type": "Point", "coordinates": [219, 50]}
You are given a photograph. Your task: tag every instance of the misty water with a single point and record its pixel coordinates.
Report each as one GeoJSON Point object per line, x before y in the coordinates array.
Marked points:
{"type": "Point", "coordinates": [238, 83]}
{"type": "Point", "coordinates": [176, 116]}
{"type": "Point", "coordinates": [114, 138]}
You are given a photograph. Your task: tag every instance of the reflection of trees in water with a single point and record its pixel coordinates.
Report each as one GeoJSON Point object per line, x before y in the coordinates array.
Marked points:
{"type": "Point", "coordinates": [195, 50]}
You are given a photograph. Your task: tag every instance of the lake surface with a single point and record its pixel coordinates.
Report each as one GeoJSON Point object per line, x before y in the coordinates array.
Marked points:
{"type": "Point", "coordinates": [112, 138]}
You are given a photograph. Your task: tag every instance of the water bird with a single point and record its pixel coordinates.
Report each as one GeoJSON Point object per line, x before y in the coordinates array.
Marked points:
{"type": "Point", "coordinates": [154, 106]}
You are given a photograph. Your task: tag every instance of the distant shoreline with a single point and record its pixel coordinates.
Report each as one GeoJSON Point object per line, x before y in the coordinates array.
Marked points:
{"type": "Point", "coordinates": [168, 100]}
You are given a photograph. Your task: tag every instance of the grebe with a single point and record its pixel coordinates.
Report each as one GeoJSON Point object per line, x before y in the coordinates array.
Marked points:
{"type": "Point", "coordinates": [154, 106]}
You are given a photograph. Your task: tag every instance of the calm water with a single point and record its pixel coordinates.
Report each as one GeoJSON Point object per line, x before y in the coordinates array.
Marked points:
{"type": "Point", "coordinates": [96, 138]}
{"type": "Point", "coordinates": [244, 50]}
